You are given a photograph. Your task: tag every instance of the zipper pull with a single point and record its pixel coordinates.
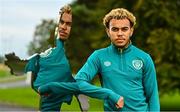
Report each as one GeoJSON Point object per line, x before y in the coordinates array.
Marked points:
{"type": "Point", "coordinates": [120, 50]}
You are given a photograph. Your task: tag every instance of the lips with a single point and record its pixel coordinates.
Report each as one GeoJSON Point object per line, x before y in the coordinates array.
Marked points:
{"type": "Point", "coordinates": [120, 39]}
{"type": "Point", "coordinates": [62, 33]}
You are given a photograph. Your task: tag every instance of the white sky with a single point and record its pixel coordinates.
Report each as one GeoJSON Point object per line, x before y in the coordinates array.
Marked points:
{"type": "Point", "coordinates": [18, 19]}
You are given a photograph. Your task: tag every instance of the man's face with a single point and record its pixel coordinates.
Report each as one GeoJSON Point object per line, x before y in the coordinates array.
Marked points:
{"type": "Point", "coordinates": [65, 26]}
{"type": "Point", "coordinates": [119, 32]}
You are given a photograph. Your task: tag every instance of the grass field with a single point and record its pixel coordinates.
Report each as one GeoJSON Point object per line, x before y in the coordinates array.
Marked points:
{"type": "Point", "coordinates": [28, 98]}
{"type": "Point", "coordinates": [4, 71]}
{"type": "Point", "coordinates": [19, 96]}
{"type": "Point", "coordinates": [170, 102]}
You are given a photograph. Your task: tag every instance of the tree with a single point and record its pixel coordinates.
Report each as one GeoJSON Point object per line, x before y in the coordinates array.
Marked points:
{"type": "Point", "coordinates": [158, 33]}
{"type": "Point", "coordinates": [43, 37]}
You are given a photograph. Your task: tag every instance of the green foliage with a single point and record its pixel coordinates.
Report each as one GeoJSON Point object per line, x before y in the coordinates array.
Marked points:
{"type": "Point", "coordinates": [81, 42]}
{"type": "Point", "coordinates": [162, 40]}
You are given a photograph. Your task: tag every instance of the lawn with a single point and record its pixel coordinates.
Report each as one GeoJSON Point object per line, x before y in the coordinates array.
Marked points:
{"type": "Point", "coordinates": [170, 102]}
{"type": "Point", "coordinates": [19, 96]}
{"type": "Point", "coordinates": [4, 71]}
{"type": "Point", "coordinates": [28, 98]}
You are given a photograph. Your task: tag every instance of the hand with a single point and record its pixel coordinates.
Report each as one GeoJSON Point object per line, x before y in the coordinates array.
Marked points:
{"type": "Point", "coordinates": [45, 94]}
{"type": "Point", "coordinates": [120, 103]}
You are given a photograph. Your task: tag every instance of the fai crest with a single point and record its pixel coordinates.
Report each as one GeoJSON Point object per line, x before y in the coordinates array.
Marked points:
{"type": "Point", "coordinates": [137, 64]}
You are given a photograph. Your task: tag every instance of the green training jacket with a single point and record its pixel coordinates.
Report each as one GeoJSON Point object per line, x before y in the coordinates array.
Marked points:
{"type": "Point", "coordinates": [51, 66]}
{"type": "Point", "coordinates": [129, 72]}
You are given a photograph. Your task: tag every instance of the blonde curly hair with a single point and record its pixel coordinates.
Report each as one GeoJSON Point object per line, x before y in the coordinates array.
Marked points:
{"type": "Point", "coordinates": [119, 13]}
{"type": "Point", "coordinates": [65, 9]}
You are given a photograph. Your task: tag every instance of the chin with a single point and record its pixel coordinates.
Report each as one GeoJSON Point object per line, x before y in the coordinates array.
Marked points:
{"type": "Point", "coordinates": [120, 45]}
{"type": "Point", "coordinates": [63, 38]}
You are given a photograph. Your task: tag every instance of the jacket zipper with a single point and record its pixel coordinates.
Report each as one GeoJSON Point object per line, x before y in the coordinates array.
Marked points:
{"type": "Point", "coordinates": [121, 53]}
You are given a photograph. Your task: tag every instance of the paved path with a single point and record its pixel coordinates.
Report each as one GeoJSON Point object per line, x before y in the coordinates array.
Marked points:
{"type": "Point", "coordinates": [8, 107]}
{"type": "Point", "coordinates": [14, 84]}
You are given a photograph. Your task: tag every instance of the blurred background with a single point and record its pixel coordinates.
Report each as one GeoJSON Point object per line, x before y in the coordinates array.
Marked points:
{"type": "Point", "coordinates": [27, 27]}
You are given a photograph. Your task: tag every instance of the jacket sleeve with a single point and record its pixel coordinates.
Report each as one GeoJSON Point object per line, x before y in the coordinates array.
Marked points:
{"type": "Point", "coordinates": [97, 92]}
{"type": "Point", "coordinates": [90, 68]}
{"type": "Point", "coordinates": [86, 74]}
{"type": "Point", "coordinates": [79, 87]}
{"type": "Point", "coordinates": [61, 88]}
{"type": "Point", "coordinates": [33, 65]}
{"type": "Point", "coordinates": [150, 85]}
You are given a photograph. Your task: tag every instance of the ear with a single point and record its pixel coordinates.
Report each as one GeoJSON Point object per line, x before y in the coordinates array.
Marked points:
{"type": "Point", "coordinates": [132, 30]}
{"type": "Point", "coordinates": [107, 31]}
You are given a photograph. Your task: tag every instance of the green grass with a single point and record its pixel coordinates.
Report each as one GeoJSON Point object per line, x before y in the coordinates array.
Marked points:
{"type": "Point", "coordinates": [170, 102]}
{"type": "Point", "coordinates": [28, 98]}
{"type": "Point", "coordinates": [4, 73]}
{"type": "Point", "coordinates": [20, 96]}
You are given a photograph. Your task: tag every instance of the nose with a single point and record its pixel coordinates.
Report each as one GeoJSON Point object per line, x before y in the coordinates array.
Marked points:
{"type": "Point", "coordinates": [120, 32]}
{"type": "Point", "coordinates": [63, 26]}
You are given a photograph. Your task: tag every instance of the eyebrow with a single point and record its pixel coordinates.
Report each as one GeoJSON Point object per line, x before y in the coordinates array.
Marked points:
{"type": "Point", "coordinates": [120, 27]}
{"type": "Point", "coordinates": [61, 20]}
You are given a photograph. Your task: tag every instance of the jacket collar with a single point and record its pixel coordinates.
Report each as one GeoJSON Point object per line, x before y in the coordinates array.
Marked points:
{"type": "Point", "coordinates": [121, 50]}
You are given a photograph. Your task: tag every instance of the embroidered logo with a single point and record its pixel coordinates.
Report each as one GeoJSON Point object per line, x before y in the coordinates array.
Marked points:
{"type": "Point", "coordinates": [137, 64]}
{"type": "Point", "coordinates": [107, 63]}
{"type": "Point", "coordinates": [46, 53]}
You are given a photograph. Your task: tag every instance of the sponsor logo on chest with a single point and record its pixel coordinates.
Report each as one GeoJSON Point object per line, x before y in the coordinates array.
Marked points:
{"type": "Point", "coordinates": [107, 63]}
